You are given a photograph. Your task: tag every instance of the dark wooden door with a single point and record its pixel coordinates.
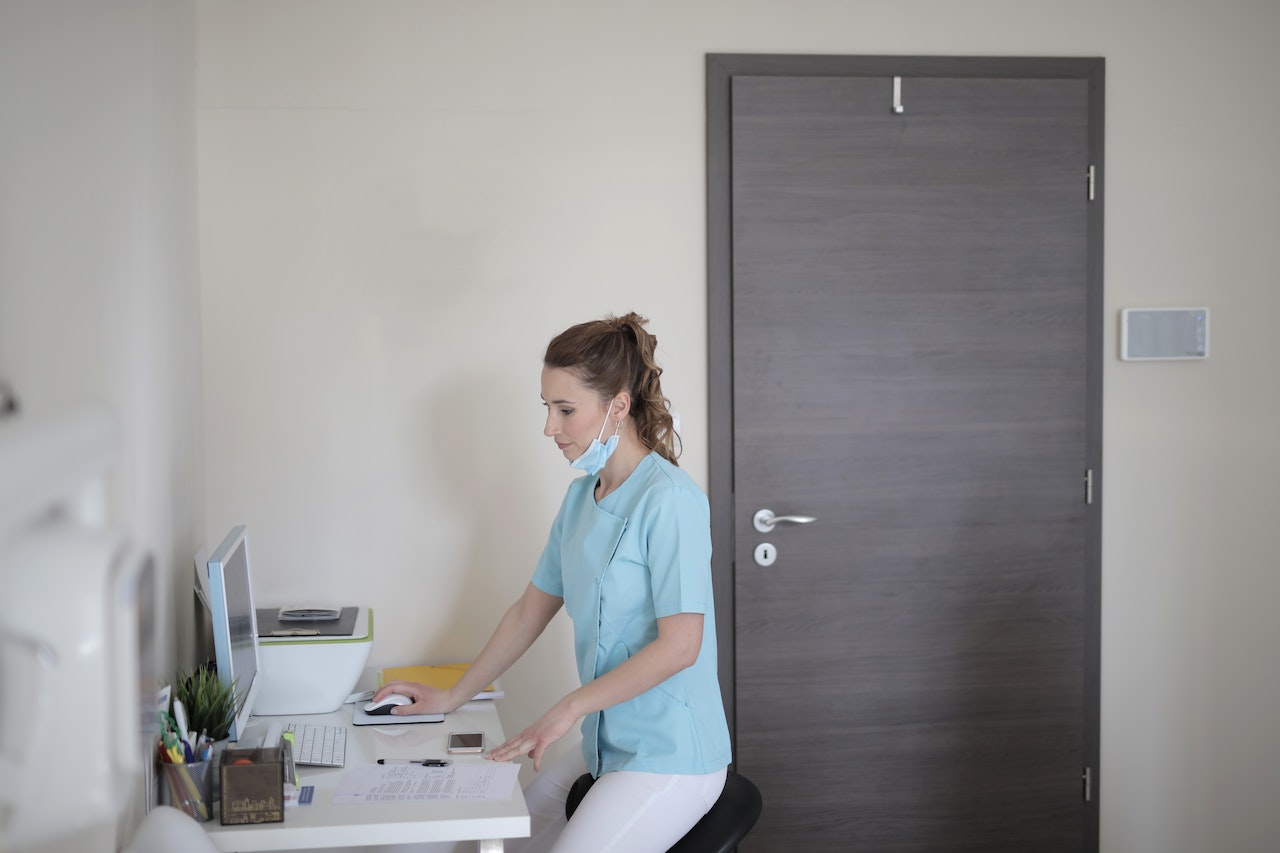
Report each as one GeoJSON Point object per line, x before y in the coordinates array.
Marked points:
{"type": "Point", "coordinates": [911, 326]}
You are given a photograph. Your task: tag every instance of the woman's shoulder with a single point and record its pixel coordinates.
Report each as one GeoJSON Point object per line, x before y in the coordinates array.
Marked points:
{"type": "Point", "coordinates": [661, 475]}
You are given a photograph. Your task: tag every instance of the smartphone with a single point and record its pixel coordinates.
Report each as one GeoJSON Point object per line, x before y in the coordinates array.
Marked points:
{"type": "Point", "coordinates": [466, 742]}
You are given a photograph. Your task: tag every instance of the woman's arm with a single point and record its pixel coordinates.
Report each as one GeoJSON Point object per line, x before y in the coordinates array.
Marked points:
{"type": "Point", "coordinates": [677, 646]}
{"type": "Point", "coordinates": [523, 623]}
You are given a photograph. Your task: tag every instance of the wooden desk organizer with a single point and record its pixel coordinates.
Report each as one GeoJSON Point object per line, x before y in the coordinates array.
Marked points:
{"type": "Point", "coordinates": [252, 785]}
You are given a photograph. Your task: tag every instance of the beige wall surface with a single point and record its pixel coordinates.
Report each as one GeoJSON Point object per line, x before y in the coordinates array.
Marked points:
{"type": "Point", "coordinates": [100, 298]}
{"type": "Point", "coordinates": [99, 287]}
{"type": "Point", "coordinates": [401, 200]}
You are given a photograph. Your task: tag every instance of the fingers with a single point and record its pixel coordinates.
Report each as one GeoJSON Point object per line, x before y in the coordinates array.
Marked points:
{"type": "Point", "coordinates": [419, 706]}
{"type": "Point", "coordinates": [395, 687]}
{"type": "Point", "coordinates": [506, 751]}
{"type": "Point", "coordinates": [515, 747]}
{"type": "Point", "coordinates": [522, 744]}
{"type": "Point", "coordinates": [426, 700]}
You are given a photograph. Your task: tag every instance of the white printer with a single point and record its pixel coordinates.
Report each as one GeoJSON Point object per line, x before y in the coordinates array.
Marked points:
{"type": "Point", "coordinates": [310, 658]}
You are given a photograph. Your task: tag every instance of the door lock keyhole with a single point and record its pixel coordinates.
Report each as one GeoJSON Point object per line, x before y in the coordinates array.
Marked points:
{"type": "Point", "coordinates": [765, 554]}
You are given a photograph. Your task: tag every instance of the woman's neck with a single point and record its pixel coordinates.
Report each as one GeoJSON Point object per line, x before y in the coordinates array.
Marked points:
{"type": "Point", "coordinates": [624, 460]}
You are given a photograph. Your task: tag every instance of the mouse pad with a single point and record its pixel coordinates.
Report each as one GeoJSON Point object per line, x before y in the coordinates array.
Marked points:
{"type": "Point", "coordinates": [360, 718]}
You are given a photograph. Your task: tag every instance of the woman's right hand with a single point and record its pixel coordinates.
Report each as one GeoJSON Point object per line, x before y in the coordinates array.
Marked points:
{"type": "Point", "coordinates": [426, 700]}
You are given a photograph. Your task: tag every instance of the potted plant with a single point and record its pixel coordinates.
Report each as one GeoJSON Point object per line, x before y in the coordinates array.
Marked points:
{"type": "Point", "coordinates": [210, 704]}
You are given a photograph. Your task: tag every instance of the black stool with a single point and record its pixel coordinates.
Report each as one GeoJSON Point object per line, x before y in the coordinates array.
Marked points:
{"type": "Point", "coordinates": [720, 829]}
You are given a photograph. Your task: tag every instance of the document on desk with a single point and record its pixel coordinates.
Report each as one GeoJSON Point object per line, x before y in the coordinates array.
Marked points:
{"type": "Point", "coordinates": [413, 783]}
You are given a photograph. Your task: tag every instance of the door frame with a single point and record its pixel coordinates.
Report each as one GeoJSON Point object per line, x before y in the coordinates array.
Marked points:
{"type": "Point", "coordinates": [721, 68]}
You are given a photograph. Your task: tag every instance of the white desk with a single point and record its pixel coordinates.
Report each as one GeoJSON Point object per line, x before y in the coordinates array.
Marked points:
{"type": "Point", "coordinates": [326, 824]}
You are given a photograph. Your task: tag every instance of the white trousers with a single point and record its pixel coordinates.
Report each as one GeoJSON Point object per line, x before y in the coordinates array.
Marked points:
{"type": "Point", "coordinates": [624, 812]}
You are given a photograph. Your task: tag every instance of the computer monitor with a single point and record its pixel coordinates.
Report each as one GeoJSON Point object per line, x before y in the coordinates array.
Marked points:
{"type": "Point", "coordinates": [235, 624]}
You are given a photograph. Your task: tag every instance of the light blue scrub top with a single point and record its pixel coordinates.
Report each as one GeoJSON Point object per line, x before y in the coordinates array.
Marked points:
{"type": "Point", "coordinates": [641, 553]}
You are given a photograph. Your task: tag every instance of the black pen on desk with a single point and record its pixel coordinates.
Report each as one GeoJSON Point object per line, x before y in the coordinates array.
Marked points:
{"type": "Point", "coordinates": [425, 762]}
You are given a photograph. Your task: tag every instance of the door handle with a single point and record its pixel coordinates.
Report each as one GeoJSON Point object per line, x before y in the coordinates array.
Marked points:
{"type": "Point", "coordinates": [764, 520]}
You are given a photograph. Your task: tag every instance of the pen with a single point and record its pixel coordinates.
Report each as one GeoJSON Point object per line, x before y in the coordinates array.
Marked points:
{"type": "Point", "coordinates": [425, 762]}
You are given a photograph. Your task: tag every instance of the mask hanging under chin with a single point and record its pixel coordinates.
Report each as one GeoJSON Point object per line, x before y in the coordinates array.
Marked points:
{"type": "Point", "coordinates": [595, 456]}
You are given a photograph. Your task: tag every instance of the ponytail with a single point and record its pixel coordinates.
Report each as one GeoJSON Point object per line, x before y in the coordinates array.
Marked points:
{"type": "Point", "coordinates": [617, 354]}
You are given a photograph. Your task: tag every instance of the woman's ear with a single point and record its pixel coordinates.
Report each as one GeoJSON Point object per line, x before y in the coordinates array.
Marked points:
{"type": "Point", "coordinates": [621, 406]}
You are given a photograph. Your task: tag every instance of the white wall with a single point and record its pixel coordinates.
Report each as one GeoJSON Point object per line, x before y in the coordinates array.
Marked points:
{"type": "Point", "coordinates": [402, 201]}
{"type": "Point", "coordinates": [99, 288]}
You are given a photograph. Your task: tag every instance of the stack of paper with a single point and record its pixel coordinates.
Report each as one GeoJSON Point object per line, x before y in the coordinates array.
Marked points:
{"type": "Point", "coordinates": [442, 676]}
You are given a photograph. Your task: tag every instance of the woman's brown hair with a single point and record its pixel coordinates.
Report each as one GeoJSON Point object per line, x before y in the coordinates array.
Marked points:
{"type": "Point", "coordinates": [617, 354]}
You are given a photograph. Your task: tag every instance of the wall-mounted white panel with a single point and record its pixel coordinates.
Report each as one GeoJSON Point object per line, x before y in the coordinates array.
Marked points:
{"type": "Point", "coordinates": [1163, 334]}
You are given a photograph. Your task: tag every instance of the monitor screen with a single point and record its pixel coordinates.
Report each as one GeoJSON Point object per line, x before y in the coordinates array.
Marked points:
{"type": "Point", "coordinates": [235, 624]}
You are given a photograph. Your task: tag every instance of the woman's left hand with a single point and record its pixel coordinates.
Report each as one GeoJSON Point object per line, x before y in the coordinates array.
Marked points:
{"type": "Point", "coordinates": [534, 740]}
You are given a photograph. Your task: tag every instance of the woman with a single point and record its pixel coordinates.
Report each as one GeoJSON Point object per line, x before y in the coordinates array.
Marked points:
{"type": "Point", "coordinates": [629, 557]}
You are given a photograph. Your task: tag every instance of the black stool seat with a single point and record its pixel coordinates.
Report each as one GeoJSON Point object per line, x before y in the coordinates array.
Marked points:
{"type": "Point", "coordinates": [720, 829]}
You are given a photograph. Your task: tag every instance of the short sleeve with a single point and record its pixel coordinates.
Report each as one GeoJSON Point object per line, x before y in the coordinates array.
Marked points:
{"type": "Point", "coordinates": [678, 534]}
{"type": "Point", "coordinates": [547, 576]}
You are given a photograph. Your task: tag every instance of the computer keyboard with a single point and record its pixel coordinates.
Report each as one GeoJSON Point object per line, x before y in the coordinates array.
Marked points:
{"type": "Point", "coordinates": [319, 746]}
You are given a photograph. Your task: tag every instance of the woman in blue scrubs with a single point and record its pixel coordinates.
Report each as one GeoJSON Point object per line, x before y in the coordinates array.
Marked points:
{"type": "Point", "coordinates": [629, 558]}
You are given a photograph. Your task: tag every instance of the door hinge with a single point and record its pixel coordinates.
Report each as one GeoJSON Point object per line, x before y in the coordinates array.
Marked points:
{"type": "Point", "coordinates": [1088, 486]}
{"type": "Point", "coordinates": [1088, 784]}
{"type": "Point", "coordinates": [1092, 175]}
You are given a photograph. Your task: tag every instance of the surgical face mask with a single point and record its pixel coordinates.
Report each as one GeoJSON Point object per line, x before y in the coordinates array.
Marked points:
{"type": "Point", "coordinates": [597, 454]}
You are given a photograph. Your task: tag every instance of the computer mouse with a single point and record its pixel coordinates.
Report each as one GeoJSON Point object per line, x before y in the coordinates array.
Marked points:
{"type": "Point", "coordinates": [386, 703]}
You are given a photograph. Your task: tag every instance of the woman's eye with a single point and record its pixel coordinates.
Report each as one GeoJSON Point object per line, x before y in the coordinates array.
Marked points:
{"type": "Point", "coordinates": [566, 412]}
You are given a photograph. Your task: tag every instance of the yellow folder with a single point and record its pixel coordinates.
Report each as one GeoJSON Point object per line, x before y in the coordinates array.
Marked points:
{"type": "Point", "coordinates": [442, 676]}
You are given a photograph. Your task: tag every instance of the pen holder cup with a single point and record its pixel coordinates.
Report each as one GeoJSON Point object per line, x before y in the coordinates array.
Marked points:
{"type": "Point", "coordinates": [188, 787]}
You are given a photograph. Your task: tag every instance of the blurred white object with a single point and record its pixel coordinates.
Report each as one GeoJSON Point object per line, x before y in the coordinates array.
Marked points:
{"type": "Point", "coordinates": [56, 465]}
{"type": "Point", "coordinates": [166, 830]}
{"type": "Point", "coordinates": [77, 617]}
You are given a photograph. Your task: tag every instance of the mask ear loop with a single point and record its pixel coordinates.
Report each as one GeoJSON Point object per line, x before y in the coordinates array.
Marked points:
{"type": "Point", "coordinates": [617, 425]}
